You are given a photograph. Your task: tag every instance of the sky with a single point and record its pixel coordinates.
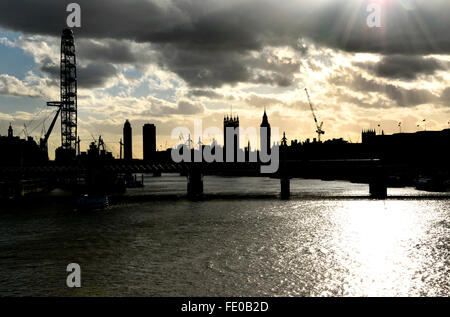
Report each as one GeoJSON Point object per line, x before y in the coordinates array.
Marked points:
{"type": "Point", "coordinates": [169, 62]}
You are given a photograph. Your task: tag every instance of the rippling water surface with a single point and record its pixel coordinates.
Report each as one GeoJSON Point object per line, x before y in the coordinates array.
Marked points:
{"type": "Point", "coordinates": [328, 240]}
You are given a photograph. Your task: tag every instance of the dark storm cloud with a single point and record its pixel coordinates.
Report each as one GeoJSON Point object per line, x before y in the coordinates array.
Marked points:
{"type": "Point", "coordinates": [243, 24]}
{"type": "Point", "coordinates": [113, 51]}
{"type": "Point", "coordinates": [95, 75]}
{"type": "Point", "coordinates": [421, 30]}
{"type": "Point", "coordinates": [208, 42]}
{"type": "Point", "coordinates": [401, 96]}
{"type": "Point", "coordinates": [90, 76]}
{"type": "Point", "coordinates": [160, 109]}
{"type": "Point", "coordinates": [50, 68]}
{"type": "Point", "coordinates": [210, 94]}
{"type": "Point", "coordinates": [403, 66]}
{"type": "Point", "coordinates": [203, 68]}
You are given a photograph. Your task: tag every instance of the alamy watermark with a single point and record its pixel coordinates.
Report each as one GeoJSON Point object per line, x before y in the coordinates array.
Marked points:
{"type": "Point", "coordinates": [230, 152]}
{"type": "Point", "coordinates": [74, 278]}
{"type": "Point", "coordinates": [74, 18]}
{"type": "Point", "coordinates": [374, 17]}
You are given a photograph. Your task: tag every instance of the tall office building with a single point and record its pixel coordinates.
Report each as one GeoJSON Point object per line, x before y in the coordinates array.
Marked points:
{"type": "Point", "coordinates": [231, 122]}
{"type": "Point", "coordinates": [149, 141]}
{"type": "Point", "coordinates": [127, 141]}
{"type": "Point", "coordinates": [265, 125]}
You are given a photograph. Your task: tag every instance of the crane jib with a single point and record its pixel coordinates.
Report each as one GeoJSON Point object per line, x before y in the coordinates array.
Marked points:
{"type": "Point", "coordinates": [319, 127]}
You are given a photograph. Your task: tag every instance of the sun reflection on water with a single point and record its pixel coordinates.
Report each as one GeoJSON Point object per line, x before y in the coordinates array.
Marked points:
{"type": "Point", "coordinates": [378, 239]}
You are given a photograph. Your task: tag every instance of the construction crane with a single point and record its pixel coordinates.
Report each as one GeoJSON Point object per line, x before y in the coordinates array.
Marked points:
{"type": "Point", "coordinates": [319, 130]}
{"type": "Point", "coordinates": [44, 142]}
{"type": "Point", "coordinates": [101, 143]}
{"type": "Point", "coordinates": [25, 130]}
{"type": "Point", "coordinates": [77, 145]}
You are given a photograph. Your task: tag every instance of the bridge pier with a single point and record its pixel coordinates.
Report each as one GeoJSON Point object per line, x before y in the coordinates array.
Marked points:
{"type": "Point", "coordinates": [157, 174]}
{"type": "Point", "coordinates": [378, 186]}
{"type": "Point", "coordinates": [194, 184]}
{"type": "Point", "coordinates": [285, 183]}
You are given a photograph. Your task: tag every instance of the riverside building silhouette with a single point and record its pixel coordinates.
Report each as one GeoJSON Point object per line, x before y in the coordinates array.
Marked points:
{"type": "Point", "coordinates": [149, 141]}
{"type": "Point", "coordinates": [232, 124]}
{"type": "Point", "coordinates": [127, 141]}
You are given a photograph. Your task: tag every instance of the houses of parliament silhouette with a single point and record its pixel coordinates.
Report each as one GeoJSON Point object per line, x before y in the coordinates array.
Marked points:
{"type": "Point", "coordinates": [420, 146]}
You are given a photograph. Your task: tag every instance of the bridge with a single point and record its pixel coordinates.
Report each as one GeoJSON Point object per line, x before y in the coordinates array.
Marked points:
{"type": "Point", "coordinates": [375, 172]}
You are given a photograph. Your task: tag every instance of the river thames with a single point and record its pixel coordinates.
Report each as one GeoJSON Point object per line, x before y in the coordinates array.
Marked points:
{"type": "Point", "coordinates": [330, 239]}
